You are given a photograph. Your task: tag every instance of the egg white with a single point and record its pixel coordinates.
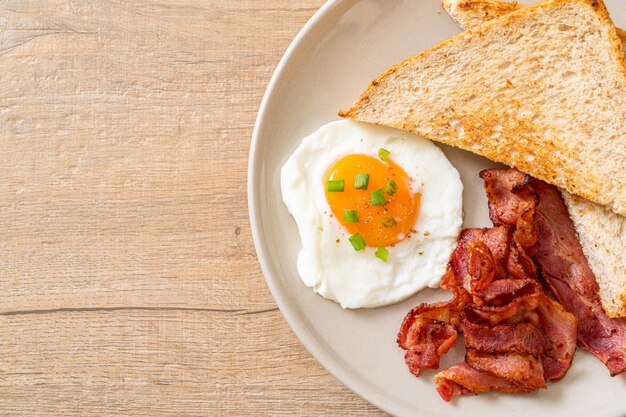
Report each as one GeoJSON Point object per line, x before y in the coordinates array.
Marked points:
{"type": "Point", "coordinates": [359, 279]}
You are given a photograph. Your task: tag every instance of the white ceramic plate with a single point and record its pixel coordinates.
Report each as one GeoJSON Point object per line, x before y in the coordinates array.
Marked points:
{"type": "Point", "coordinates": [335, 56]}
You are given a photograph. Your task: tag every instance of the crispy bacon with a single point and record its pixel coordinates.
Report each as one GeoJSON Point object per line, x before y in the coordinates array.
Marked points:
{"type": "Point", "coordinates": [559, 333]}
{"type": "Point", "coordinates": [496, 240]}
{"type": "Point", "coordinates": [508, 195]}
{"type": "Point", "coordinates": [518, 310]}
{"type": "Point", "coordinates": [517, 338]}
{"type": "Point", "coordinates": [427, 333]}
{"type": "Point", "coordinates": [462, 379]}
{"type": "Point", "coordinates": [427, 341]}
{"type": "Point", "coordinates": [523, 337]}
{"type": "Point", "coordinates": [444, 311]}
{"type": "Point", "coordinates": [500, 310]}
{"type": "Point", "coordinates": [503, 291]}
{"type": "Point", "coordinates": [560, 257]}
{"type": "Point", "coordinates": [524, 369]}
{"type": "Point", "coordinates": [481, 267]}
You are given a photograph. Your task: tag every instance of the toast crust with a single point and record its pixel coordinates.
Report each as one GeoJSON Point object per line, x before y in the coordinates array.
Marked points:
{"type": "Point", "coordinates": [548, 160]}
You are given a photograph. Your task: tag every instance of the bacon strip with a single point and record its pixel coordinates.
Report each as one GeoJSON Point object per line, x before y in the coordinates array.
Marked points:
{"type": "Point", "coordinates": [561, 259]}
{"type": "Point", "coordinates": [500, 308]}
{"type": "Point", "coordinates": [559, 330]}
{"type": "Point", "coordinates": [462, 379]}
{"type": "Point", "coordinates": [427, 334]}
{"type": "Point", "coordinates": [503, 291]}
{"type": "Point", "coordinates": [427, 341]}
{"type": "Point", "coordinates": [525, 370]}
{"type": "Point", "coordinates": [517, 338]}
{"type": "Point", "coordinates": [522, 337]}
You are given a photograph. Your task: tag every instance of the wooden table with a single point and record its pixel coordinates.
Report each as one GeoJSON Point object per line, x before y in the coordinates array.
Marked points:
{"type": "Point", "coordinates": [129, 281]}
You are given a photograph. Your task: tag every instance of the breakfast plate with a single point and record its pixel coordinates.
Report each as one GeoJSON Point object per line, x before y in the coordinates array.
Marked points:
{"type": "Point", "coordinates": [335, 56]}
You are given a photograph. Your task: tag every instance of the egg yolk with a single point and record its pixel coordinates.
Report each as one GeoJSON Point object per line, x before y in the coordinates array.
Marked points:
{"type": "Point", "coordinates": [381, 224]}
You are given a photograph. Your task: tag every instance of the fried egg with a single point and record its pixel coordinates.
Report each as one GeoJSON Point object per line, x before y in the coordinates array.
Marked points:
{"type": "Point", "coordinates": [378, 210]}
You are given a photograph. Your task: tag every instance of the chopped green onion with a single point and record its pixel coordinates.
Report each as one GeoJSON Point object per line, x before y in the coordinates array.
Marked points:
{"type": "Point", "coordinates": [383, 154]}
{"type": "Point", "coordinates": [378, 198]}
{"type": "Point", "coordinates": [335, 186]}
{"type": "Point", "coordinates": [382, 253]}
{"type": "Point", "coordinates": [391, 187]}
{"type": "Point", "coordinates": [350, 216]}
{"type": "Point", "coordinates": [361, 181]}
{"type": "Point", "coordinates": [357, 242]}
{"type": "Point", "coordinates": [388, 222]}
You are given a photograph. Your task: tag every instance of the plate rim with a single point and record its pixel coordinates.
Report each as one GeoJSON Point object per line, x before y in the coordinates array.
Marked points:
{"type": "Point", "coordinates": [334, 367]}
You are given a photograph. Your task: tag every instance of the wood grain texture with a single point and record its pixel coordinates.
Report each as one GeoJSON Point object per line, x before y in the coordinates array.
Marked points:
{"type": "Point", "coordinates": [129, 282]}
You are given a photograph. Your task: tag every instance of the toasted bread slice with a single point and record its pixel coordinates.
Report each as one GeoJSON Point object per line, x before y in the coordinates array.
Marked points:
{"type": "Point", "coordinates": [602, 233]}
{"type": "Point", "coordinates": [470, 13]}
{"type": "Point", "coordinates": [529, 89]}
